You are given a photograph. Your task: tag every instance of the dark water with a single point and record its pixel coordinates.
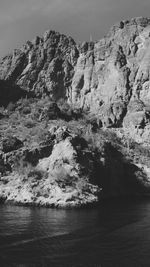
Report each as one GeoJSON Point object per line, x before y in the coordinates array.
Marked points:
{"type": "Point", "coordinates": [116, 234]}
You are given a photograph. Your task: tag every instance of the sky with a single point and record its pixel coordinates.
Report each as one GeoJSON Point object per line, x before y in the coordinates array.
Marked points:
{"type": "Point", "coordinates": [22, 20]}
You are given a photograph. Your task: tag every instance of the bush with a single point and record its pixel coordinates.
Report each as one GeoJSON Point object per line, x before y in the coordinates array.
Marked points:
{"type": "Point", "coordinates": [63, 178]}
{"type": "Point", "coordinates": [82, 185]}
{"type": "Point", "coordinates": [50, 111]}
{"type": "Point", "coordinates": [25, 102]}
{"type": "Point", "coordinates": [26, 110]}
{"type": "Point", "coordinates": [11, 107]}
{"type": "Point", "coordinates": [11, 143]}
{"type": "Point", "coordinates": [68, 112]}
{"type": "Point", "coordinates": [36, 174]}
{"type": "Point", "coordinates": [4, 167]}
{"type": "Point", "coordinates": [29, 123]}
{"type": "Point", "coordinates": [27, 171]}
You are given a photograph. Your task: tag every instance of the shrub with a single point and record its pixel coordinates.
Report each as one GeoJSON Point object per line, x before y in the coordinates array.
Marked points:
{"type": "Point", "coordinates": [27, 172]}
{"type": "Point", "coordinates": [1, 116]}
{"type": "Point", "coordinates": [50, 111]}
{"type": "Point", "coordinates": [68, 112]}
{"type": "Point", "coordinates": [4, 167]}
{"type": "Point", "coordinates": [63, 178]}
{"type": "Point", "coordinates": [11, 107]}
{"type": "Point", "coordinates": [82, 185]}
{"type": "Point", "coordinates": [11, 143]}
{"type": "Point", "coordinates": [77, 113]}
{"type": "Point", "coordinates": [29, 123]}
{"type": "Point", "coordinates": [24, 102]}
{"type": "Point", "coordinates": [26, 110]}
{"type": "Point", "coordinates": [36, 174]}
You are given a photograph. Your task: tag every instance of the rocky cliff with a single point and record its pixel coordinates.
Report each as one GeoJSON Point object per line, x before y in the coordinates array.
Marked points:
{"type": "Point", "coordinates": [98, 85]}
{"type": "Point", "coordinates": [109, 78]}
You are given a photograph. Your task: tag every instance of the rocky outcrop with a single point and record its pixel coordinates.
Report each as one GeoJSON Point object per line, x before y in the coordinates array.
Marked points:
{"type": "Point", "coordinates": [45, 65]}
{"type": "Point", "coordinates": [103, 84]}
{"type": "Point", "coordinates": [60, 180]}
{"type": "Point", "coordinates": [68, 173]}
{"type": "Point", "coordinates": [103, 77]}
{"type": "Point", "coordinates": [113, 73]}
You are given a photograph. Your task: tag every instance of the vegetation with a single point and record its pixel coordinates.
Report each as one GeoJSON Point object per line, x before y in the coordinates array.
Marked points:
{"type": "Point", "coordinates": [27, 122]}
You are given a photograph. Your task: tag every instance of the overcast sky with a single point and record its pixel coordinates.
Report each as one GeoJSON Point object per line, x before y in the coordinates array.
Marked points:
{"type": "Point", "coordinates": [22, 20]}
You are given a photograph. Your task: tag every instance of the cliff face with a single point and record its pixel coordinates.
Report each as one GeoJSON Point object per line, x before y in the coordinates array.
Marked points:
{"type": "Point", "coordinates": [109, 78]}
{"type": "Point", "coordinates": [55, 147]}
{"type": "Point", "coordinates": [44, 66]}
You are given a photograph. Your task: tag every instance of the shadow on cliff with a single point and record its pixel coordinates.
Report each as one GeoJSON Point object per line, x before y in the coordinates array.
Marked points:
{"type": "Point", "coordinates": [10, 92]}
{"type": "Point", "coordinates": [118, 176]}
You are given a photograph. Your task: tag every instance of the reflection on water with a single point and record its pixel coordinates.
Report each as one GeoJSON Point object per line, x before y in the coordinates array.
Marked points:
{"type": "Point", "coordinates": [117, 233]}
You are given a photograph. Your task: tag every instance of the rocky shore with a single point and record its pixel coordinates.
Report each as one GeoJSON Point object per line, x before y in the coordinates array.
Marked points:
{"type": "Point", "coordinates": [59, 180]}
{"type": "Point", "coordinates": [70, 171]}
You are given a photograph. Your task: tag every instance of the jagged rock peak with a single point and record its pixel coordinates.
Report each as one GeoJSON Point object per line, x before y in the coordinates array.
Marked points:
{"type": "Point", "coordinates": [102, 77]}
{"type": "Point", "coordinates": [43, 65]}
{"type": "Point", "coordinates": [137, 21]}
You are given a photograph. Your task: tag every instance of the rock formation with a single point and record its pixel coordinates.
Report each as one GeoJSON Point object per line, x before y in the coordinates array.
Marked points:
{"type": "Point", "coordinates": [68, 173]}
{"type": "Point", "coordinates": [106, 77]}
{"type": "Point", "coordinates": [107, 84]}
{"type": "Point", "coordinates": [59, 180]}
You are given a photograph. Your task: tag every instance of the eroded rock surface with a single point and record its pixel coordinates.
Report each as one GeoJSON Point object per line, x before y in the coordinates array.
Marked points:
{"type": "Point", "coordinates": [70, 173]}
{"type": "Point", "coordinates": [108, 83]}
{"type": "Point", "coordinates": [103, 77]}
{"type": "Point", "coordinates": [45, 65]}
{"type": "Point", "coordinates": [60, 180]}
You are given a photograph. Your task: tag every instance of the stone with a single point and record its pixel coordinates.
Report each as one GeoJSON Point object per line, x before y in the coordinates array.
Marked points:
{"type": "Point", "coordinates": [100, 77]}
{"type": "Point", "coordinates": [60, 180]}
{"type": "Point", "coordinates": [105, 84]}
